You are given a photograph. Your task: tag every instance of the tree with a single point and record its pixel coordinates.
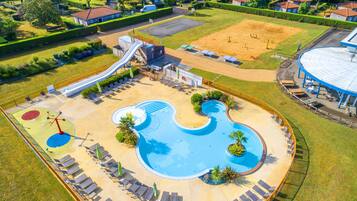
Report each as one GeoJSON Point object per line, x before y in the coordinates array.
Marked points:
{"type": "Point", "coordinates": [40, 12]}
{"type": "Point", "coordinates": [216, 174]}
{"type": "Point", "coordinates": [229, 175]}
{"type": "Point", "coordinates": [303, 8]}
{"type": "Point", "coordinates": [126, 123]}
{"type": "Point", "coordinates": [238, 136]}
{"type": "Point", "coordinates": [8, 28]}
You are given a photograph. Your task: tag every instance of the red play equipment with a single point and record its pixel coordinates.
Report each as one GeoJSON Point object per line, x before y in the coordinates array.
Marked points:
{"type": "Point", "coordinates": [56, 119]}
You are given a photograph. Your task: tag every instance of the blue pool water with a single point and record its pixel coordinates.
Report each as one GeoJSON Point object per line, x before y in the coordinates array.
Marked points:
{"type": "Point", "coordinates": [58, 140]}
{"type": "Point", "coordinates": [173, 151]}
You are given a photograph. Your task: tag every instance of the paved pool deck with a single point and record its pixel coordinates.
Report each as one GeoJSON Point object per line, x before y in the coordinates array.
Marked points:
{"type": "Point", "coordinates": [93, 124]}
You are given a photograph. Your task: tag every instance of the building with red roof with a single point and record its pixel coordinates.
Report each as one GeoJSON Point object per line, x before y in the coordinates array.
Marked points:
{"type": "Point", "coordinates": [95, 15]}
{"type": "Point", "coordinates": [287, 6]}
{"type": "Point", "coordinates": [345, 14]}
{"type": "Point", "coordinates": [348, 5]}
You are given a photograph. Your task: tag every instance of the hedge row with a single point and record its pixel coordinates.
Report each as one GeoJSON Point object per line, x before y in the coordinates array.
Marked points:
{"type": "Point", "coordinates": [94, 89]}
{"type": "Point", "coordinates": [30, 43]}
{"type": "Point", "coordinates": [130, 20]}
{"type": "Point", "coordinates": [285, 15]}
{"type": "Point", "coordinates": [36, 42]}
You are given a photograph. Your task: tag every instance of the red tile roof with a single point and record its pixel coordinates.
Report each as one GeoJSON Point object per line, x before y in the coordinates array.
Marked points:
{"type": "Point", "coordinates": [351, 5]}
{"type": "Point", "coordinates": [95, 13]}
{"type": "Point", "coordinates": [287, 5]}
{"type": "Point", "coordinates": [345, 12]}
{"type": "Point", "coordinates": [301, 1]}
{"type": "Point", "coordinates": [242, 1]}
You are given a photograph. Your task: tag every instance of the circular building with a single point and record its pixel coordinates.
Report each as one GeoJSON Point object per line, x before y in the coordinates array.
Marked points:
{"type": "Point", "coordinates": [333, 67]}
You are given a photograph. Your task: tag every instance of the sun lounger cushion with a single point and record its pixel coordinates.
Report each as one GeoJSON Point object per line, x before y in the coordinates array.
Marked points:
{"type": "Point", "coordinates": [63, 159]}
{"type": "Point", "coordinates": [253, 196]}
{"type": "Point", "coordinates": [90, 189]}
{"type": "Point", "coordinates": [266, 186]}
{"type": "Point", "coordinates": [165, 196]}
{"type": "Point", "coordinates": [260, 191]}
{"type": "Point", "coordinates": [80, 178]}
{"type": "Point", "coordinates": [244, 198]}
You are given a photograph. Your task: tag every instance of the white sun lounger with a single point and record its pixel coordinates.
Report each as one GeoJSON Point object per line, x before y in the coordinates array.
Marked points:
{"type": "Point", "coordinates": [80, 179]}
{"type": "Point", "coordinates": [86, 183]}
{"type": "Point", "coordinates": [68, 163]}
{"type": "Point", "coordinates": [90, 189]}
{"type": "Point", "coordinates": [63, 159]}
{"type": "Point", "coordinates": [72, 170]}
{"type": "Point", "coordinates": [266, 186]}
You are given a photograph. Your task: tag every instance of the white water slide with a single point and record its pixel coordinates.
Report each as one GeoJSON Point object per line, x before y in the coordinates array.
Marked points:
{"type": "Point", "coordinates": [83, 84]}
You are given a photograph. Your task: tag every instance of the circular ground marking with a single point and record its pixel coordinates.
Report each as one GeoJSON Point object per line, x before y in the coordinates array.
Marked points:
{"type": "Point", "coordinates": [58, 140]}
{"type": "Point", "coordinates": [30, 115]}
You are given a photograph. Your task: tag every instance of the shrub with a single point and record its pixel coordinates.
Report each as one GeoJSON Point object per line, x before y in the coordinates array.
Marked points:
{"type": "Point", "coordinates": [230, 102]}
{"type": "Point", "coordinates": [229, 175]}
{"type": "Point", "coordinates": [285, 15]}
{"type": "Point", "coordinates": [236, 149]}
{"type": "Point", "coordinates": [216, 174]}
{"type": "Point", "coordinates": [120, 136]}
{"type": "Point", "coordinates": [35, 42]}
{"type": "Point", "coordinates": [130, 20]}
{"type": "Point", "coordinates": [215, 95]}
{"type": "Point", "coordinates": [94, 89]}
{"type": "Point", "coordinates": [196, 98]}
{"type": "Point", "coordinates": [197, 107]}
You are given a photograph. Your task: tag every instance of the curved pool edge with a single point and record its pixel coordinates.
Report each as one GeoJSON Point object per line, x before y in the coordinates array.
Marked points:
{"type": "Point", "coordinates": [252, 170]}
{"type": "Point", "coordinates": [264, 154]}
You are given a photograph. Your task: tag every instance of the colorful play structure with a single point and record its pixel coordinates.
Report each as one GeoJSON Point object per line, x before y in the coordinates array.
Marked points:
{"type": "Point", "coordinates": [334, 68]}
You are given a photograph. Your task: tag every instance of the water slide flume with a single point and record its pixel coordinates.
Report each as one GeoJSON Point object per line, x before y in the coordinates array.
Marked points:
{"type": "Point", "coordinates": [83, 84]}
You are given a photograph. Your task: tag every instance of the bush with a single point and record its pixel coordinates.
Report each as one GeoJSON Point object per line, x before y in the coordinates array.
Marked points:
{"type": "Point", "coordinates": [26, 44]}
{"type": "Point", "coordinates": [214, 95]}
{"type": "Point", "coordinates": [130, 20]}
{"type": "Point", "coordinates": [94, 89]}
{"type": "Point", "coordinates": [285, 15]}
{"type": "Point", "coordinates": [236, 149]}
{"type": "Point", "coordinates": [230, 102]}
{"type": "Point", "coordinates": [120, 136]}
{"type": "Point", "coordinates": [197, 107]}
{"type": "Point", "coordinates": [196, 98]}
{"type": "Point", "coordinates": [229, 175]}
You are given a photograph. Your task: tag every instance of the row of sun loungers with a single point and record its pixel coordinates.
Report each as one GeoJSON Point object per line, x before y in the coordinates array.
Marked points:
{"type": "Point", "coordinates": [173, 197]}
{"type": "Point", "coordinates": [112, 88]}
{"type": "Point", "coordinates": [263, 189]}
{"type": "Point", "coordinates": [287, 134]}
{"type": "Point", "coordinates": [82, 183]}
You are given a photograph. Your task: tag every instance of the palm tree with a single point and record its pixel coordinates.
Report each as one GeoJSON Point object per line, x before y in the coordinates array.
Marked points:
{"type": "Point", "coordinates": [127, 122]}
{"type": "Point", "coordinates": [216, 174]}
{"type": "Point", "coordinates": [238, 136]}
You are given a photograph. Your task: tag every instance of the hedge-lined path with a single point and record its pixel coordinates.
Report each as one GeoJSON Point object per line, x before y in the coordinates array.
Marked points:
{"type": "Point", "coordinates": [199, 62]}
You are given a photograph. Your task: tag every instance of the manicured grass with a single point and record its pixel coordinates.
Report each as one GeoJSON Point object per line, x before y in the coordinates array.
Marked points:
{"type": "Point", "coordinates": [23, 175]}
{"type": "Point", "coordinates": [41, 53]}
{"type": "Point", "coordinates": [333, 157]}
{"type": "Point", "coordinates": [217, 19]}
{"type": "Point", "coordinates": [64, 75]}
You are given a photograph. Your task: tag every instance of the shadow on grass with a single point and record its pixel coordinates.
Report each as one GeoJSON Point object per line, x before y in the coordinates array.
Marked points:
{"type": "Point", "coordinates": [298, 170]}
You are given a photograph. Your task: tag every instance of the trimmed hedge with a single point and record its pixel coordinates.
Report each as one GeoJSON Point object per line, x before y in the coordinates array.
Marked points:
{"type": "Point", "coordinates": [285, 15]}
{"type": "Point", "coordinates": [130, 20]}
{"type": "Point", "coordinates": [27, 44]}
{"type": "Point", "coordinates": [94, 89]}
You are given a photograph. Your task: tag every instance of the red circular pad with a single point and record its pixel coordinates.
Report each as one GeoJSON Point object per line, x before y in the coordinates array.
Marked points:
{"type": "Point", "coordinates": [30, 115]}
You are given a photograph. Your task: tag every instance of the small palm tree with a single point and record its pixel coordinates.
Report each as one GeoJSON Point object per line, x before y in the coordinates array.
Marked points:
{"type": "Point", "coordinates": [126, 123]}
{"type": "Point", "coordinates": [216, 174]}
{"type": "Point", "coordinates": [238, 136]}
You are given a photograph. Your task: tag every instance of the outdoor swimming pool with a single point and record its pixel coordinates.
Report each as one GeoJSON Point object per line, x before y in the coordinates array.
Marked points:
{"type": "Point", "coordinates": [173, 151]}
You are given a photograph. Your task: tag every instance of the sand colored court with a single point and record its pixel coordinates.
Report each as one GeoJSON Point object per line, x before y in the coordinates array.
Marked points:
{"type": "Point", "coordinates": [93, 124]}
{"type": "Point", "coordinates": [246, 40]}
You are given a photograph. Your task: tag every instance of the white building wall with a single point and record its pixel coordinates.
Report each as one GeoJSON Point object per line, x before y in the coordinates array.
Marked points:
{"type": "Point", "coordinates": [337, 17]}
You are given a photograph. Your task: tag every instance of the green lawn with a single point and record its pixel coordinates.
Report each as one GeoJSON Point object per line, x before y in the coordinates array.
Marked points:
{"type": "Point", "coordinates": [42, 53]}
{"type": "Point", "coordinates": [23, 176]}
{"type": "Point", "coordinates": [217, 19]}
{"type": "Point", "coordinates": [333, 158]}
{"type": "Point", "coordinates": [18, 90]}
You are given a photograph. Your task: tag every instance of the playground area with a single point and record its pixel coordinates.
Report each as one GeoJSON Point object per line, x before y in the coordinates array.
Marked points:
{"type": "Point", "coordinates": [41, 124]}
{"type": "Point", "coordinates": [92, 123]}
{"type": "Point", "coordinates": [246, 40]}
